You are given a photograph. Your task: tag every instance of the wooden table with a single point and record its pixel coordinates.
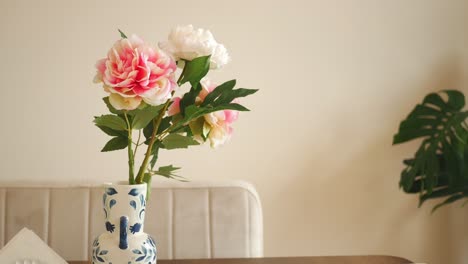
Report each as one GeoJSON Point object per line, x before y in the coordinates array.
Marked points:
{"type": "Point", "coordinates": [288, 260]}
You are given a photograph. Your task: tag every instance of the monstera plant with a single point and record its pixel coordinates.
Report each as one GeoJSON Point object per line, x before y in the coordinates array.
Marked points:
{"type": "Point", "coordinates": [439, 168]}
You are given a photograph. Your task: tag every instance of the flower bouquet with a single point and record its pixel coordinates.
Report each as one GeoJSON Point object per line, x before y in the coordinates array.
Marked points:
{"type": "Point", "coordinates": [142, 82]}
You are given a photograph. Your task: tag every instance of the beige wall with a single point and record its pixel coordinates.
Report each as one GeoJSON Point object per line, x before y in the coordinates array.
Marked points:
{"type": "Point", "coordinates": [336, 77]}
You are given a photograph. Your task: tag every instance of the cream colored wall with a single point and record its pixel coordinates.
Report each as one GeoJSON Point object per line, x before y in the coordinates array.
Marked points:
{"type": "Point", "coordinates": [335, 78]}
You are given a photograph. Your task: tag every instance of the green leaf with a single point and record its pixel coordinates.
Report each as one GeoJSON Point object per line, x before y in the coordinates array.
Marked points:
{"type": "Point", "coordinates": [174, 141]}
{"type": "Point", "coordinates": [456, 99]}
{"type": "Point", "coordinates": [441, 192]}
{"type": "Point", "coordinates": [408, 175]}
{"type": "Point", "coordinates": [193, 112]}
{"type": "Point", "coordinates": [196, 126]}
{"type": "Point", "coordinates": [220, 89]}
{"type": "Point", "coordinates": [115, 143]}
{"type": "Point", "coordinates": [418, 123]}
{"type": "Point", "coordinates": [155, 153]}
{"type": "Point", "coordinates": [168, 168]}
{"type": "Point", "coordinates": [231, 106]}
{"type": "Point", "coordinates": [143, 117]}
{"type": "Point", "coordinates": [168, 172]}
{"type": "Point", "coordinates": [165, 124]}
{"type": "Point", "coordinates": [449, 200]}
{"type": "Point", "coordinates": [439, 167]}
{"type": "Point", "coordinates": [409, 134]}
{"type": "Point", "coordinates": [424, 111]}
{"type": "Point", "coordinates": [190, 97]}
{"type": "Point", "coordinates": [195, 70]}
{"type": "Point", "coordinates": [111, 121]}
{"type": "Point", "coordinates": [122, 34]}
{"type": "Point", "coordinates": [229, 96]}
{"type": "Point", "coordinates": [112, 132]}
{"type": "Point", "coordinates": [434, 99]}
{"type": "Point", "coordinates": [432, 172]}
{"type": "Point", "coordinates": [225, 94]}
{"type": "Point", "coordinates": [110, 107]}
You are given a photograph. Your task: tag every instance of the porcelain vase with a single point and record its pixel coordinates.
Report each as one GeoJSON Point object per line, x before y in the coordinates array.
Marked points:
{"type": "Point", "coordinates": [124, 241]}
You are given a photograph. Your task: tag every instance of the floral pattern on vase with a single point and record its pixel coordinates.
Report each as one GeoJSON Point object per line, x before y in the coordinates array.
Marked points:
{"type": "Point", "coordinates": [124, 240]}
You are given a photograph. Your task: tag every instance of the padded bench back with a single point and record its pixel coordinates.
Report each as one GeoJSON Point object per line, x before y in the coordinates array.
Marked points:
{"type": "Point", "coordinates": [187, 220]}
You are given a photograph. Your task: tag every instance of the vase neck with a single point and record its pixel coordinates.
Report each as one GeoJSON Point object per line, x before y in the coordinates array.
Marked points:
{"type": "Point", "coordinates": [127, 201]}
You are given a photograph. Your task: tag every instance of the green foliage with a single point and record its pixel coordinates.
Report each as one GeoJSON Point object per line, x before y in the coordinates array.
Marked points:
{"type": "Point", "coordinates": [189, 98]}
{"type": "Point", "coordinates": [439, 166]}
{"type": "Point", "coordinates": [193, 112]}
{"type": "Point", "coordinates": [195, 70]}
{"type": "Point", "coordinates": [168, 172]}
{"type": "Point", "coordinates": [148, 130]}
{"type": "Point", "coordinates": [142, 117]}
{"type": "Point", "coordinates": [155, 153]}
{"type": "Point", "coordinates": [112, 132]}
{"type": "Point", "coordinates": [115, 143]}
{"type": "Point", "coordinates": [196, 127]}
{"type": "Point", "coordinates": [224, 94]}
{"type": "Point", "coordinates": [220, 98]}
{"type": "Point", "coordinates": [174, 141]}
{"type": "Point", "coordinates": [110, 121]}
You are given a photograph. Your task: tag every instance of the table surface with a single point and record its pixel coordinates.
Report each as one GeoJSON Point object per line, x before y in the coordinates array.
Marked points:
{"type": "Point", "coordinates": [288, 260]}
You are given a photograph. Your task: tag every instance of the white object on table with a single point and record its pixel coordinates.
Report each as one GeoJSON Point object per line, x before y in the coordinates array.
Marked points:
{"type": "Point", "coordinates": [27, 248]}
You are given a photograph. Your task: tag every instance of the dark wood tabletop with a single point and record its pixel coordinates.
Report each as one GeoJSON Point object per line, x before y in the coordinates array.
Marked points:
{"type": "Point", "coordinates": [288, 260]}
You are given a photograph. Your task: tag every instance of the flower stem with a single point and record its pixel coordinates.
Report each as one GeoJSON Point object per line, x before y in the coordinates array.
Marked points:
{"type": "Point", "coordinates": [181, 74]}
{"type": "Point", "coordinates": [149, 150]}
{"type": "Point", "coordinates": [131, 158]}
{"type": "Point", "coordinates": [137, 143]}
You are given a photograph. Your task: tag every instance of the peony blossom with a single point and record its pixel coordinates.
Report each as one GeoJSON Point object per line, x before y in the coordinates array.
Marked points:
{"type": "Point", "coordinates": [188, 43]}
{"type": "Point", "coordinates": [175, 107]}
{"type": "Point", "coordinates": [134, 71]}
{"type": "Point", "coordinates": [217, 125]}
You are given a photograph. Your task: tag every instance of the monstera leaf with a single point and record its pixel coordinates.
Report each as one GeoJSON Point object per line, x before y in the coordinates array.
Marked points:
{"type": "Point", "coordinates": [439, 167]}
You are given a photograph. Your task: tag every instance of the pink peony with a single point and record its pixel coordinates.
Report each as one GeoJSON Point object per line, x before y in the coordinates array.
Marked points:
{"type": "Point", "coordinates": [174, 109]}
{"type": "Point", "coordinates": [220, 129]}
{"type": "Point", "coordinates": [218, 124]}
{"type": "Point", "coordinates": [207, 87]}
{"type": "Point", "coordinates": [134, 71]}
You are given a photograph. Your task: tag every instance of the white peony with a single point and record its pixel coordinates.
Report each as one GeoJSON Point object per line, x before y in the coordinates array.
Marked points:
{"type": "Point", "coordinates": [188, 43]}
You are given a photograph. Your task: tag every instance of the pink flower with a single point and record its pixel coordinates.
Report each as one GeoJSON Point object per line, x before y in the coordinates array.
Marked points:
{"type": "Point", "coordinates": [207, 87]}
{"type": "Point", "coordinates": [216, 126]}
{"type": "Point", "coordinates": [134, 71]}
{"type": "Point", "coordinates": [219, 126]}
{"type": "Point", "coordinates": [174, 109]}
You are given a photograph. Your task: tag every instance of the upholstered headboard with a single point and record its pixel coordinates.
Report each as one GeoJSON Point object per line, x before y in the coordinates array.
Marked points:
{"type": "Point", "coordinates": [188, 220]}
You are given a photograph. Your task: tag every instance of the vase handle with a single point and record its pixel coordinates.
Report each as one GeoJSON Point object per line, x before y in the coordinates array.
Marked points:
{"type": "Point", "coordinates": [123, 242]}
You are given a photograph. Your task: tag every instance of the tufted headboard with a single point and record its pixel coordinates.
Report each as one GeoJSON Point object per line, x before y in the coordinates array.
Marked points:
{"type": "Point", "coordinates": [187, 220]}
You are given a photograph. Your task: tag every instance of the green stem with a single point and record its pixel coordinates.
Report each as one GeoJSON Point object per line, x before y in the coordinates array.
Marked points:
{"type": "Point", "coordinates": [137, 143]}
{"type": "Point", "coordinates": [181, 74]}
{"type": "Point", "coordinates": [156, 123]}
{"type": "Point", "coordinates": [131, 158]}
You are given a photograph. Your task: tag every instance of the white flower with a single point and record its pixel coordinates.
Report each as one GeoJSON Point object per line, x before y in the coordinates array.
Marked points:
{"type": "Point", "coordinates": [187, 43]}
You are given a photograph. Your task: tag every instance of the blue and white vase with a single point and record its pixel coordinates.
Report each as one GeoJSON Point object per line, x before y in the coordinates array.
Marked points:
{"type": "Point", "coordinates": [124, 242]}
